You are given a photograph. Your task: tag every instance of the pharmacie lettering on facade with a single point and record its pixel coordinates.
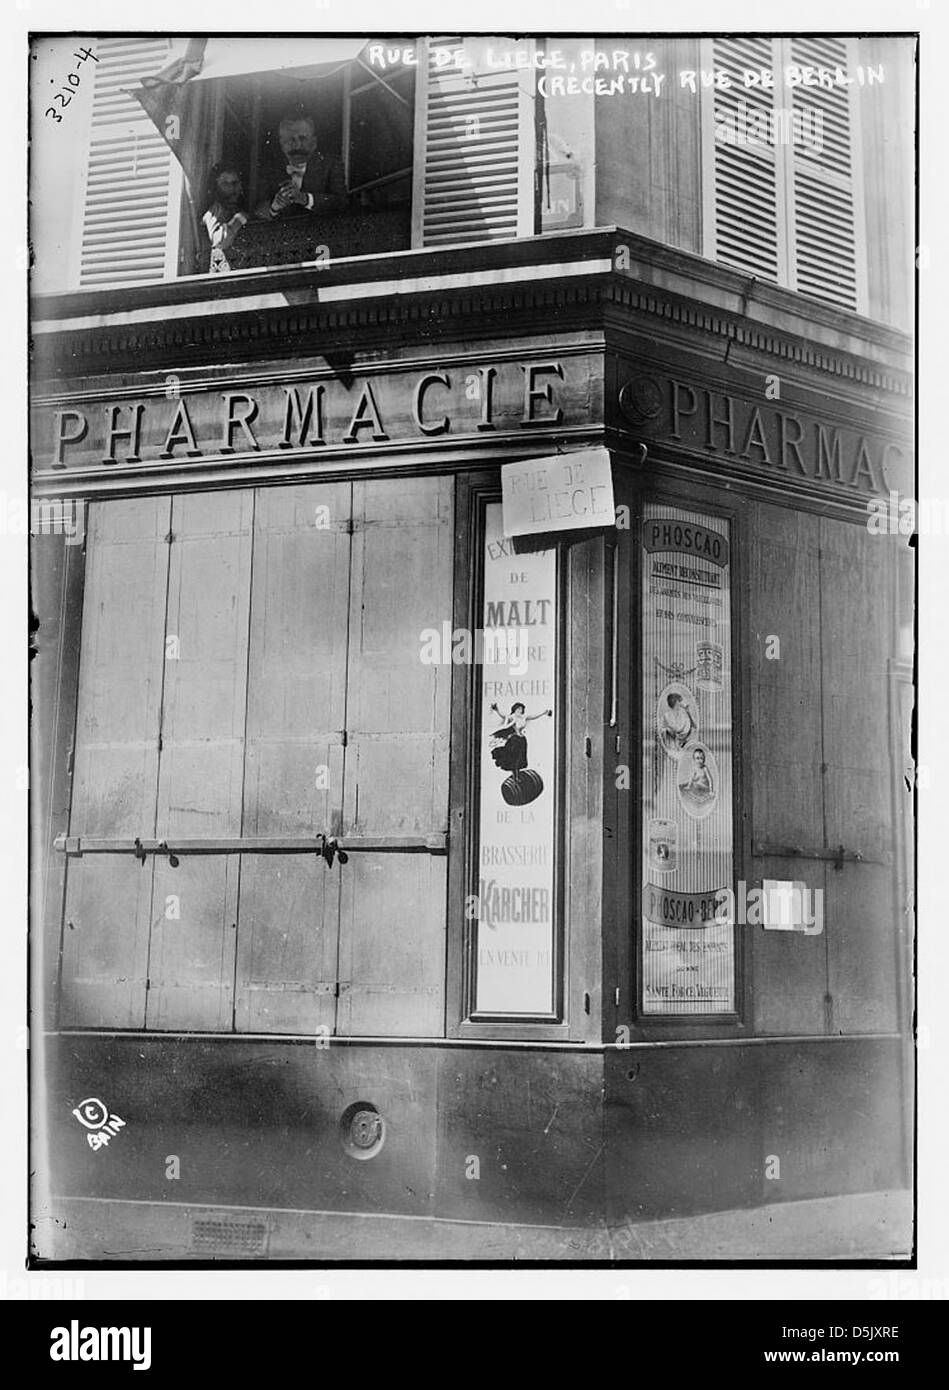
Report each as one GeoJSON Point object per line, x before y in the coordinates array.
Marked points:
{"type": "Point", "coordinates": [182, 424]}
{"type": "Point", "coordinates": [175, 424]}
{"type": "Point", "coordinates": [784, 440]}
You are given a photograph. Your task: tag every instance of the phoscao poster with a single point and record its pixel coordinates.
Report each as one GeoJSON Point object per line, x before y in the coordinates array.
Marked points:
{"type": "Point", "coordinates": [688, 951]}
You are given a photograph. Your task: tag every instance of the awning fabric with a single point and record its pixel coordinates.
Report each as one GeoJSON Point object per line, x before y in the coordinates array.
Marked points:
{"type": "Point", "coordinates": [167, 97]}
{"type": "Point", "coordinates": [294, 57]}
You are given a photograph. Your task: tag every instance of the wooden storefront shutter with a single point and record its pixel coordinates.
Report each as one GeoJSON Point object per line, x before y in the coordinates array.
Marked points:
{"type": "Point", "coordinates": [201, 761]}
{"type": "Point", "coordinates": [393, 909]}
{"type": "Point", "coordinates": [296, 715]}
{"type": "Point", "coordinates": [474, 142]}
{"type": "Point", "coordinates": [827, 242]}
{"type": "Point", "coordinates": [57, 564]}
{"type": "Point", "coordinates": [133, 183]}
{"type": "Point", "coordinates": [251, 668]}
{"type": "Point", "coordinates": [862, 914]}
{"type": "Point", "coordinates": [108, 897]}
{"type": "Point", "coordinates": [822, 772]}
{"type": "Point", "coordinates": [790, 969]}
{"type": "Point", "coordinates": [744, 204]}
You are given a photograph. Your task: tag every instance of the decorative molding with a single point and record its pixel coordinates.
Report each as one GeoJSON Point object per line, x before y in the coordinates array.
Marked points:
{"type": "Point", "coordinates": [693, 314]}
{"type": "Point", "coordinates": [401, 457]}
{"type": "Point", "coordinates": [567, 280]}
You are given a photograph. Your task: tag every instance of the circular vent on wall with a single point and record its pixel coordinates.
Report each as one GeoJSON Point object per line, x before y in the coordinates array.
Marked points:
{"type": "Point", "coordinates": [362, 1130]}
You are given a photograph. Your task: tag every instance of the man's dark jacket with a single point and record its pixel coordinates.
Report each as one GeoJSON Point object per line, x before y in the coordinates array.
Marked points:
{"type": "Point", "coordinates": [323, 175]}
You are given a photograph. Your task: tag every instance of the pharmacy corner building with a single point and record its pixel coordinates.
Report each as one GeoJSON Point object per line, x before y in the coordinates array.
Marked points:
{"type": "Point", "coordinates": [472, 773]}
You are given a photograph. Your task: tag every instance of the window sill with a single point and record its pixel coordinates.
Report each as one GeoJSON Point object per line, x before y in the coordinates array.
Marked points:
{"type": "Point", "coordinates": [314, 236]}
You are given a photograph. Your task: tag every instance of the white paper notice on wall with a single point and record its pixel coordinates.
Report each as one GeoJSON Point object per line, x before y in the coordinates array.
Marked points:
{"type": "Point", "coordinates": [563, 492]}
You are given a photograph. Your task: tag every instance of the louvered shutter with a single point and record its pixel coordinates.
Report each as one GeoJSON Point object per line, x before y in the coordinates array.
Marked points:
{"type": "Point", "coordinates": [746, 206]}
{"type": "Point", "coordinates": [474, 138]}
{"type": "Point", "coordinates": [827, 262]}
{"type": "Point", "coordinates": [781, 165]}
{"type": "Point", "coordinates": [132, 197]}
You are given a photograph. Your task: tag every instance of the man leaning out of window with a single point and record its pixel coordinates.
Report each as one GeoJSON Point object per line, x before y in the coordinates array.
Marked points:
{"type": "Point", "coordinates": [307, 180]}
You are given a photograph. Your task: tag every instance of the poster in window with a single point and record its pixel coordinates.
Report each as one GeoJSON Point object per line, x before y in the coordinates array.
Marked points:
{"type": "Point", "coordinates": [515, 899]}
{"type": "Point", "coordinates": [688, 956]}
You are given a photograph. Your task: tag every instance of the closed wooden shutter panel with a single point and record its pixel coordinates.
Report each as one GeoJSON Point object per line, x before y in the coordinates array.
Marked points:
{"type": "Point", "coordinates": [747, 205]}
{"type": "Point", "coordinates": [393, 905]}
{"type": "Point", "coordinates": [108, 897]}
{"type": "Point", "coordinates": [133, 181]}
{"type": "Point", "coordinates": [862, 924]}
{"type": "Point", "coordinates": [824, 232]}
{"type": "Point", "coordinates": [296, 716]}
{"type": "Point", "coordinates": [201, 760]}
{"type": "Point", "coordinates": [474, 146]}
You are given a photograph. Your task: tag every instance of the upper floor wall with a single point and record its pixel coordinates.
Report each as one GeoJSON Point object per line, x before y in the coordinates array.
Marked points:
{"type": "Point", "coordinates": [789, 159]}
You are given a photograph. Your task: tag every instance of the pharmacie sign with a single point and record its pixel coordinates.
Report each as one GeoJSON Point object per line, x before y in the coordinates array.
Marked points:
{"type": "Point", "coordinates": [782, 441]}
{"type": "Point", "coordinates": [173, 421]}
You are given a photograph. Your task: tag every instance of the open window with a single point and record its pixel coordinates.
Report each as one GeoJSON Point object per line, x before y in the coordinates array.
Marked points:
{"type": "Point", "coordinates": [222, 104]}
{"type": "Point", "coordinates": [437, 142]}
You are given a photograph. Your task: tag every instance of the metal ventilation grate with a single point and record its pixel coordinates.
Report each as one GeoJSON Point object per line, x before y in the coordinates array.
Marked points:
{"type": "Point", "coordinates": [215, 1235]}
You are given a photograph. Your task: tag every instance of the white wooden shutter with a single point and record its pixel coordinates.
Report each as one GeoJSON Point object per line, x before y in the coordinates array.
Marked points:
{"type": "Point", "coordinates": [744, 206]}
{"type": "Point", "coordinates": [827, 246]}
{"type": "Point", "coordinates": [474, 142]}
{"type": "Point", "coordinates": [133, 183]}
{"type": "Point", "coordinates": [787, 208]}
{"type": "Point", "coordinates": [118, 723]}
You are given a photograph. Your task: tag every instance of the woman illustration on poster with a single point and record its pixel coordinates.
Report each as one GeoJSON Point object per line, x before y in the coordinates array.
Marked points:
{"type": "Point", "coordinates": [508, 744]}
{"type": "Point", "coordinates": [509, 740]}
{"type": "Point", "coordinates": [677, 718]}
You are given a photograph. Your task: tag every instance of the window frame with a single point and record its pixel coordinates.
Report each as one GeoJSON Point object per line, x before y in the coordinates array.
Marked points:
{"type": "Point", "coordinates": [183, 252]}
{"type": "Point", "coordinates": [474, 491]}
{"type": "Point", "coordinates": [664, 488]}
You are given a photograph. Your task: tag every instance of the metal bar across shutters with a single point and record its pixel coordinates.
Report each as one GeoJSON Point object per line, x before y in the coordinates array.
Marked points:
{"type": "Point", "coordinates": [78, 845]}
{"type": "Point", "coordinates": [836, 854]}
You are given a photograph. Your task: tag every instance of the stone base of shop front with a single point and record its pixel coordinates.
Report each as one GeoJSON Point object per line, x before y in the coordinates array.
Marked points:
{"type": "Point", "coordinates": [865, 1226]}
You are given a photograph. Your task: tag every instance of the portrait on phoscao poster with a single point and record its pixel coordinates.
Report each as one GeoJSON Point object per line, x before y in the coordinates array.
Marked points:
{"type": "Point", "coordinates": [697, 781]}
{"type": "Point", "coordinates": [677, 717]}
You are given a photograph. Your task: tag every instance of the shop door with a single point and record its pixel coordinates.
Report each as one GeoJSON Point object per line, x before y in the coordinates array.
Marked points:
{"type": "Point", "coordinates": [249, 682]}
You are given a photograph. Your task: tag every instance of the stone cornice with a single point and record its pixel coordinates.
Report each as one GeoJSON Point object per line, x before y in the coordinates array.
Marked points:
{"type": "Point", "coordinates": [568, 282]}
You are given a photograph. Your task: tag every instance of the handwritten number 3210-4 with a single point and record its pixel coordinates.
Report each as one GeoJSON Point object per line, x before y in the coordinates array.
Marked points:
{"type": "Point", "coordinates": [73, 79]}
{"type": "Point", "coordinates": [63, 101]}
